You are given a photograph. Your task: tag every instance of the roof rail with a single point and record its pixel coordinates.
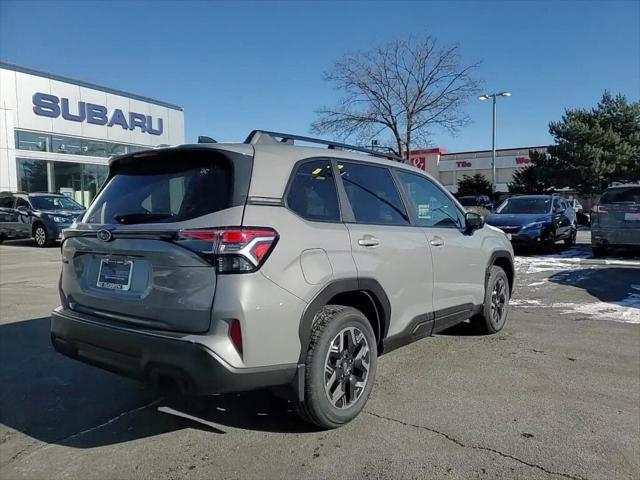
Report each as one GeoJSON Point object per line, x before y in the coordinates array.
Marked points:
{"type": "Point", "coordinates": [267, 137]}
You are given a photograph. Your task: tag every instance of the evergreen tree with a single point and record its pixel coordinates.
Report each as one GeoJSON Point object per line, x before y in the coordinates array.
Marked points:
{"type": "Point", "coordinates": [526, 180]}
{"type": "Point", "coordinates": [594, 147]}
{"type": "Point", "coordinates": [474, 185]}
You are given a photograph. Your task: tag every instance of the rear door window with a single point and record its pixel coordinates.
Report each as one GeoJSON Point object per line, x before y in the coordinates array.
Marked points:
{"type": "Point", "coordinates": [164, 190]}
{"type": "Point", "coordinates": [313, 193]}
{"type": "Point", "coordinates": [372, 194]}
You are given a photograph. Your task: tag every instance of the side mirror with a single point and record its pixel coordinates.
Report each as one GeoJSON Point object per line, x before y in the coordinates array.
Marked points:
{"type": "Point", "coordinates": [24, 209]}
{"type": "Point", "coordinates": [473, 221]}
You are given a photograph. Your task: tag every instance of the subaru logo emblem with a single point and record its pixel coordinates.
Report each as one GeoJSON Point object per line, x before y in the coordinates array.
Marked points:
{"type": "Point", "coordinates": [104, 235]}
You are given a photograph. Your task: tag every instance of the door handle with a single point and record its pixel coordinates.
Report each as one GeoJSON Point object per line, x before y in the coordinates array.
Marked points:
{"type": "Point", "coordinates": [368, 241]}
{"type": "Point", "coordinates": [436, 242]}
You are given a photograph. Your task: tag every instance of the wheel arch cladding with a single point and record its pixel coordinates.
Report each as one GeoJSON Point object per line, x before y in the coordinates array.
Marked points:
{"type": "Point", "coordinates": [503, 260]}
{"type": "Point", "coordinates": [366, 295]}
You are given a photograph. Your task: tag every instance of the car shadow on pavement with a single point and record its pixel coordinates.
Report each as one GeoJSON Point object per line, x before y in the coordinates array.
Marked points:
{"type": "Point", "coordinates": [619, 285]}
{"type": "Point", "coordinates": [54, 399]}
{"type": "Point", "coordinates": [23, 242]}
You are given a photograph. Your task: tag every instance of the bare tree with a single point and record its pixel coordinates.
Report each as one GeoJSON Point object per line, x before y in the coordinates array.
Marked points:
{"type": "Point", "coordinates": [404, 88]}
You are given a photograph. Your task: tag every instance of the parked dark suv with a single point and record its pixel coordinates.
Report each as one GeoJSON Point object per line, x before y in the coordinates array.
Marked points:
{"type": "Point", "coordinates": [41, 216]}
{"type": "Point", "coordinates": [536, 220]}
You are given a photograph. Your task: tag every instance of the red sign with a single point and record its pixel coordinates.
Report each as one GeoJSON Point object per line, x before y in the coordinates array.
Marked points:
{"type": "Point", "coordinates": [419, 162]}
{"type": "Point", "coordinates": [463, 164]}
{"type": "Point", "coordinates": [523, 160]}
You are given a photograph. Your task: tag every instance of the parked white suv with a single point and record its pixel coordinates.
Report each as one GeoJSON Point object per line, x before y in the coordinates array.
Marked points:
{"type": "Point", "coordinates": [216, 268]}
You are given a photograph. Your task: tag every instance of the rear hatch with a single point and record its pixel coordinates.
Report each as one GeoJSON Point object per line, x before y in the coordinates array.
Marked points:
{"type": "Point", "coordinates": [618, 208]}
{"type": "Point", "coordinates": [125, 260]}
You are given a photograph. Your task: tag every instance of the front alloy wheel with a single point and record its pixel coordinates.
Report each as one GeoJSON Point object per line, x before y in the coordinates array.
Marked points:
{"type": "Point", "coordinates": [346, 367]}
{"type": "Point", "coordinates": [499, 301]}
{"type": "Point", "coordinates": [40, 236]}
{"type": "Point", "coordinates": [493, 315]}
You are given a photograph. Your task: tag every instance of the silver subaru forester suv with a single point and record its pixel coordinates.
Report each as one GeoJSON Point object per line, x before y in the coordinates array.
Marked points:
{"type": "Point", "coordinates": [214, 268]}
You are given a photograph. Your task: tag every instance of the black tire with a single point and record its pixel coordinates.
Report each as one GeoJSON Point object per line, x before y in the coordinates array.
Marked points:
{"type": "Point", "coordinates": [41, 236]}
{"type": "Point", "coordinates": [598, 251]}
{"type": "Point", "coordinates": [550, 244]}
{"type": "Point", "coordinates": [486, 322]}
{"type": "Point", "coordinates": [331, 322]}
{"type": "Point", "coordinates": [571, 241]}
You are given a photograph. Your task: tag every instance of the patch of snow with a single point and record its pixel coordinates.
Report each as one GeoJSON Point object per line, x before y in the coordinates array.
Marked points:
{"type": "Point", "coordinates": [529, 265]}
{"type": "Point", "coordinates": [627, 311]}
{"type": "Point", "coordinates": [634, 263]}
{"type": "Point", "coordinates": [525, 302]}
{"type": "Point", "coordinates": [536, 284]}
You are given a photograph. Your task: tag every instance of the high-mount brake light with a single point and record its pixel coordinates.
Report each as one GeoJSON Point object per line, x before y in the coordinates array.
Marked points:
{"type": "Point", "coordinates": [231, 249]}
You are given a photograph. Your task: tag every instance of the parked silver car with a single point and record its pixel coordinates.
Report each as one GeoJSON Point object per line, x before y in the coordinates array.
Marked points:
{"type": "Point", "coordinates": [216, 268]}
{"type": "Point", "coordinates": [615, 220]}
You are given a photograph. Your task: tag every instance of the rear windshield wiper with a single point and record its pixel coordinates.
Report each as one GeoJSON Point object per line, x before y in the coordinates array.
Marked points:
{"type": "Point", "coordinates": [141, 217]}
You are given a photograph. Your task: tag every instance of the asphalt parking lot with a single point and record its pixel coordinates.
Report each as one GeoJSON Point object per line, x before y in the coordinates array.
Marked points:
{"type": "Point", "coordinates": [556, 394]}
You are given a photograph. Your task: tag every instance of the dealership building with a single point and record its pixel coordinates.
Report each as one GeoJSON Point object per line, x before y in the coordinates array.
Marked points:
{"type": "Point", "coordinates": [451, 167]}
{"type": "Point", "coordinates": [57, 134]}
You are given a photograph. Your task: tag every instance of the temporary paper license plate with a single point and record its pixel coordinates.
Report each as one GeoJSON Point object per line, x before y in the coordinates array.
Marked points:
{"type": "Point", "coordinates": [634, 217]}
{"type": "Point", "coordinates": [114, 274]}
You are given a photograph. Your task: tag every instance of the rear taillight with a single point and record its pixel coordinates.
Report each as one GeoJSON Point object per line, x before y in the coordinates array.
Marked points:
{"type": "Point", "coordinates": [599, 209]}
{"type": "Point", "coordinates": [231, 249]}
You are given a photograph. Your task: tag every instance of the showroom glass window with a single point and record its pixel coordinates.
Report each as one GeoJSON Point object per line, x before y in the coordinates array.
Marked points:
{"type": "Point", "coordinates": [372, 194]}
{"type": "Point", "coordinates": [38, 142]}
{"type": "Point", "coordinates": [32, 175]}
{"type": "Point", "coordinates": [313, 194]}
{"type": "Point", "coordinates": [433, 207]}
{"type": "Point", "coordinates": [68, 145]}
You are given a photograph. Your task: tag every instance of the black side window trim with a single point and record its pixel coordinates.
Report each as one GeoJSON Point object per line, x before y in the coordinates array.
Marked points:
{"type": "Point", "coordinates": [292, 176]}
{"type": "Point", "coordinates": [413, 214]}
{"type": "Point", "coordinates": [395, 184]}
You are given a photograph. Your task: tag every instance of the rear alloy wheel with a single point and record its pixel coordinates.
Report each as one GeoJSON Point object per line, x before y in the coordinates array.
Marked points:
{"type": "Point", "coordinates": [340, 367]}
{"type": "Point", "coordinates": [496, 302]}
{"type": "Point", "coordinates": [41, 237]}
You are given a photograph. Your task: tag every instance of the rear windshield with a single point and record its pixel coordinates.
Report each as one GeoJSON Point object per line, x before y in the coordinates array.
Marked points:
{"type": "Point", "coordinates": [533, 205]}
{"type": "Point", "coordinates": [166, 189]}
{"type": "Point", "coordinates": [628, 195]}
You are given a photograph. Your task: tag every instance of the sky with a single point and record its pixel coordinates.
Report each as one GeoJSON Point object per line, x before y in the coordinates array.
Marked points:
{"type": "Point", "coordinates": [239, 66]}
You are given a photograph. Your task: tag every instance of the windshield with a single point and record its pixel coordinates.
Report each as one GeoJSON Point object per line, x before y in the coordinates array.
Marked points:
{"type": "Point", "coordinates": [621, 195]}
{"type": "Point", "coordinates": [52, 202]}
{"type": "Point", "coordinates": [468, 201]}
{"type": "Point", "coordinates": [173, 189]}
{"type": "Point", "coordinates": [531, 205]}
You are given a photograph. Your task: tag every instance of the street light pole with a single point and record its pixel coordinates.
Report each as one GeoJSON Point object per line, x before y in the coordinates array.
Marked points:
{"type": "Point", "coordinates": [493, 150]}
{"type": "Point", "coordinates": [493, 135]}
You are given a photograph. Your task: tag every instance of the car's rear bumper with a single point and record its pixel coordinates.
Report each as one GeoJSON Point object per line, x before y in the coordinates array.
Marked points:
{"type": "Point", "coordinates": [159, 359]}
{"type": "Point", "coordinates": [615, 236]}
